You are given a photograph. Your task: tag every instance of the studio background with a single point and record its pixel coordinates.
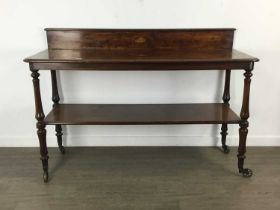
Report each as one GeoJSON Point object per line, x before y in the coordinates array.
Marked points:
{"type": "Point", "coordinates": [22, 35]}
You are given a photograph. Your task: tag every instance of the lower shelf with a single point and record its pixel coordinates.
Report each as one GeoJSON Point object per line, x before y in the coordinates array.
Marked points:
{"type": "Point", "coordinates": [133, 114]}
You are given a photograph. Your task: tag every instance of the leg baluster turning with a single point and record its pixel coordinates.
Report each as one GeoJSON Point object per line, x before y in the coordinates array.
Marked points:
{"type": "Point", "coordinates": [41, 131]}
{"type": "Point", "coordinates": [43, 149]}
{"type": "Point", "coordinates": [58, 130]}
{"type": "Point", "coordinates": [224, 135]}
{"type": "Point", "coordinates": [243, 130]}
{"type": "Point", "coordinates": [226, 98]}
{"type": "Point", "coordinates": [55, 99]}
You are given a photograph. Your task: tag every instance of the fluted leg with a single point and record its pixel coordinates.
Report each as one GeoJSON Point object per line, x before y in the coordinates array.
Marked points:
{"type": "Point", "coordinates": [226, 98]}
{"type": "Point", "coordinates": [41, 131]}
{"type": "Point", "coordinates": [243, 130]}
{"type": "Point", "coordinates": [59, 134]}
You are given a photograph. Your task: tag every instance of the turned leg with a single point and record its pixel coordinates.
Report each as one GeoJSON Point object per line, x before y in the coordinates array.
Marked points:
{"type": "Point", "coordinates": [58, 130]}
{"type": "Point", "coordinates": [224, 134]}
{"type": "Point", "coordinates": [226, 98]}
{"type": "Point", "coordinates": [41, 131]}
{"type": "Point", "coordinates": [55, 99]}
{"type": "Point", "coordinates": [243, 130]}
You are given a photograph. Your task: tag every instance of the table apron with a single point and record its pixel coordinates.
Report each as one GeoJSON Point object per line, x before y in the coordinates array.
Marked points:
{"type": "Point", "coordinates": [119, 66]}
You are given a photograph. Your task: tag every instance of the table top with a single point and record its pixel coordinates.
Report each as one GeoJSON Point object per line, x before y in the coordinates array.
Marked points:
{"type": "Point", "coordinates": [140, 49]}
{"type": "Point", "coordinates": [139, 55]}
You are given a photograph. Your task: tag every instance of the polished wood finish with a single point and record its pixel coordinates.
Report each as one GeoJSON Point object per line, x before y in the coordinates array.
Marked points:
{"type": "Point", "coordinates": [92, 39]}
{"type": "Point", "coordinates": [226, 95]}
{"type": "Point", "coordinates": [147, 50]}
{"type": "Point", "coordinates": [55, 99]}
{"type": "Point", "coordinates": [143, 66]}
{"type": "Point", "coordinates": [243, 130]}
{"type": "Point", "coordinates": [55, 95]}
{"type": "Point", "coordinates": [184, 49]}
{"type": "Point", "coordinates": [141, 59]}
{"type": "Point", "coordinates": [144, 56]}
{"type": "Point", "coordinates": [226, 98]}
{"type": "Point", "coordinates": [41, 131]}
{"type": "Point", "coordinates": [127, 114]}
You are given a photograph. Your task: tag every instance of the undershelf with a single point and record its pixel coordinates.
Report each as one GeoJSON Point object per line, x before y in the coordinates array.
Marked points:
{"type": "Point", "coordinates": [141, 114]}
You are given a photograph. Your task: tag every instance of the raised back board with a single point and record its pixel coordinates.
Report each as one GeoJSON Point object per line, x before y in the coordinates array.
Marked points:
{"type": "Point", "coordinates": [90, 39]}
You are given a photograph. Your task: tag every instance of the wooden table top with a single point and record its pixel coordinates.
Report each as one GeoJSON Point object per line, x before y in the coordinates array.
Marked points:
{"type": "Point", "coordinates": [139, 55]}
{"type": "Point", "coordinates": [150, 49]}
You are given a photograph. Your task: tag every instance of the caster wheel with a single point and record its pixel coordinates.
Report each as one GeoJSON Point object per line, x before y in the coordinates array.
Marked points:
{"type": "Point", "coordinates": [246, 172]}
{"type": "Point", "coordinates": [46, 177]}
{"type": "Point", "coordinates": [226, 149]}
{"type": "Point", "coordinates": [62, 149]}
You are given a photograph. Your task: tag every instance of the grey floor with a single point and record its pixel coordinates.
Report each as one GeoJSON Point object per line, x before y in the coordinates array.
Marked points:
{"type": "Point", "coordinates": [146, 178]}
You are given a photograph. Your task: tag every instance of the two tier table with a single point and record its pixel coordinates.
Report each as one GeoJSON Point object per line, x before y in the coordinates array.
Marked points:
{"type": "Point", "coordinates": [141, 50]}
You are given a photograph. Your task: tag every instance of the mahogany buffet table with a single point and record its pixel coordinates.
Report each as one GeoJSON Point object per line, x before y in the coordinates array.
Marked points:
{"type": "Point", "coordinates": [141, 50]}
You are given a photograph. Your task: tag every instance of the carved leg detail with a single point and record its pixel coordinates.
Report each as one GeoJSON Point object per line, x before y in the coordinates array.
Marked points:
{"type": "Point", "coordinates": [59, 134]}
{"type": "Point", "coordinates": [226, 98]}
{"type": "Point", "coordinates": [39, 115]}
{"type": "Point", "coordinates": [43, 148]}
{"type": "Point", "coordinates": [55, 99]}
{"type": "Point", "coordinates": [243, 131]}
{"type": "Point", "coordinates": [224, 135]}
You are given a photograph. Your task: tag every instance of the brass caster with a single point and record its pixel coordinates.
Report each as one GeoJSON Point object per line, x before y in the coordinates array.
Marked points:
{"type": "Point", "coordinates": [246, 172]}
{"type": "Point", "coordinates": [46, 177]}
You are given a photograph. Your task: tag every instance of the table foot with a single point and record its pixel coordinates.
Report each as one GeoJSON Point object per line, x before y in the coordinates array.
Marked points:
{"type": "Point", "coordinates": [246, 172]}
{"type": "Point", "coordinates": [46, 177]}
{"type": "Point", "coordinates": [62, 149]}
{"type": "Point", "coordinates": [226, 149]}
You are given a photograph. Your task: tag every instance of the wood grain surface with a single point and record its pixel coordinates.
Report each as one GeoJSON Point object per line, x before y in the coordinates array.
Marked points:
{"type": "Point", "coordinates": [114, 114]}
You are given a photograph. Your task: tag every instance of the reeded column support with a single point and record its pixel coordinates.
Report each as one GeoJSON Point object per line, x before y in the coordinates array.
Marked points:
{"type": "Point", "coordinates": [226, 98]}
{"type": "Point", "coordinates": [243, 130]}
{"type": "Point", "coordinates": [55, 99]}
{"type": "Point", "coordinates": [41, 131]}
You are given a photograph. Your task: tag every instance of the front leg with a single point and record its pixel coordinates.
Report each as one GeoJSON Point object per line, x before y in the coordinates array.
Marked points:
{"type": "Point", "coordinates": [41, 131]}
{"type": "Point", "coordinates": [243, 131]}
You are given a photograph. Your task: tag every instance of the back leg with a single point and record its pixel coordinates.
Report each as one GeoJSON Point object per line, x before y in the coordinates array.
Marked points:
{"type": "Point", "coordinates": [226, 98]}
{"type": "Point", "coordinates": [55, 99]}
{"type": "Point", "coordinates": [224, 136]}
{"type": "Point", "coordinates": [59, 134]}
